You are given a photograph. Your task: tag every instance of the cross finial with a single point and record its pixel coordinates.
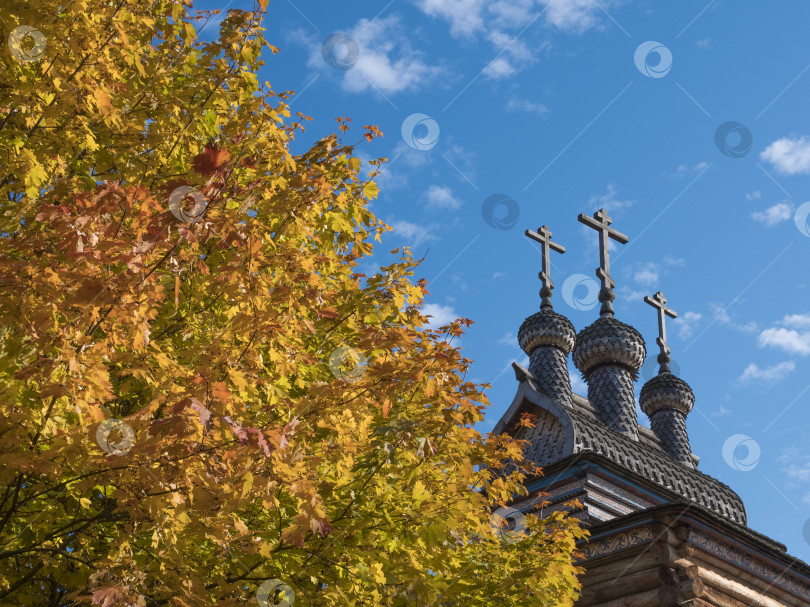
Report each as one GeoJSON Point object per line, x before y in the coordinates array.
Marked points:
{"type": "Point", "coordinates": [658, 302]}
{"type": "Point", "coordinates": [543, 236]}
{"type": "Point", "coordinates": [601, 222]}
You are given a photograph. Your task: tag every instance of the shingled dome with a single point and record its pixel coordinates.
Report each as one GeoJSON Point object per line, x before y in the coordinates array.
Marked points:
{"type": "Point", "coordinates": [546, 328]}
{"type": "Point", "coordinates": [606, 341]}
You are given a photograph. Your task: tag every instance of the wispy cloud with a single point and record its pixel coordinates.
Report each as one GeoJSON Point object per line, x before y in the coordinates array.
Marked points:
{"type": "Point", "coordinates": [413, 234]}
{"type": "Point", "coordinates": [387, 62]}
{"type": "Point", "coordinates": [514, 55]}
{"type": "Point", "coordinates": [684, 169]}
{"type": "Point", "coordinates": [441, 197]}
{"type": "Point", "coordinates": [772, 374]}
{"type": "Point", "coordinates": [799, 321]}
{"type": "Point", "coordinates": [720, 314]}
{"type": "Point", "coordinates": [773, 215]}
{"type": "Point", "coordinates": [608, 201]}
{"type": "Point", "coordinates": [686, 324]}
{"type": "Point", "coordinates": [647, 274]}
{"type": "Point", "coordinates": [518, 104]}
{"type": "Point", "coordinates": [469, 17]}
{"type": "Point", "coordinates": [466, 17]}
{"type": "Point", "coordinates": [508, 339]}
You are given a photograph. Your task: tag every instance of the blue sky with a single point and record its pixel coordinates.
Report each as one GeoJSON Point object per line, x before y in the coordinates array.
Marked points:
{"type": "Point", "coordinates": [687, 121]}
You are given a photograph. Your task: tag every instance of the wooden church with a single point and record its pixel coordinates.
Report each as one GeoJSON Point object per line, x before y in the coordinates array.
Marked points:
{"type": "Point", "coordinates": [662, 533]}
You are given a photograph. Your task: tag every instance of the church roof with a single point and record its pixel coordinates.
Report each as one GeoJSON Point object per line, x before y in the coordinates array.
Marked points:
{"type": "Point", "coordinates": [580, 431]}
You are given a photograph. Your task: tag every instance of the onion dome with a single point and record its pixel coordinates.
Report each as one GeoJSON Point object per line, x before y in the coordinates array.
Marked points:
{"type": "Point", "coordinates": [609, 354]}
{"type": "Point", "coordinates": [546, 328]}
{"type": "Point", "coordinates": [609, 341]}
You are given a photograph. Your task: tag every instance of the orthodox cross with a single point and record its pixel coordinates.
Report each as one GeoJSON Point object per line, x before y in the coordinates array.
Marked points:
{"type": "Point", "coordinates": [658, 302]}
{"type": "Point", "coordinates": [601, 222]}
{"type": "Point", "coordinates": [543, 236]}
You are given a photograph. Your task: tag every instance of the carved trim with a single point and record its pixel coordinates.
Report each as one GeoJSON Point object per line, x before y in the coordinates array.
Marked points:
{"type": "Point", "coordinates": [617, 542]}
{"type": "Point", "coordinates": [713, 544]}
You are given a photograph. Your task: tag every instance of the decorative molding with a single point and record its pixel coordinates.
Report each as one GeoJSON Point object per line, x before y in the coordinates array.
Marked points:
{"type": "Point", "coordinates": [615, 543]}
{"type": "Point", "coordinates": [715, 545]}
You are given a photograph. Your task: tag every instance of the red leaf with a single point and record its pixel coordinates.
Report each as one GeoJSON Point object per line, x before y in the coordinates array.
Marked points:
{"type": "Point", "coordinates": [106, 597]}
{"type": "Point", "coordinates": [50, 212]}
{"type": "Point", "coordinates": [211, 160]}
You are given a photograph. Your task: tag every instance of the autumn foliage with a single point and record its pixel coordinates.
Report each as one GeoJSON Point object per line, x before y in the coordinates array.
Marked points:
{"type": "Point", "coordinates": [168, 262]}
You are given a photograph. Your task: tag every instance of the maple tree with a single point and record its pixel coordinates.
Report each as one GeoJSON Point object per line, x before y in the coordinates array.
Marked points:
{"type": "Point", "coordinates": [203, 401]}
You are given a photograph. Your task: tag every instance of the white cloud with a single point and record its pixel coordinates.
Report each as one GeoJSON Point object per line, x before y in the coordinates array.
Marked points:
{"type": "Point", "coordinates": [720, 314]}
{"type": "Point", "coordinates": [771, 374]}
{"type": "Point", "coordinates": [413, 234]}
{"type": "Point", "coordinates": [789, 340]}
{"type": "Point", "coordinates": [720, 412]}
{"type": "Point", "coordinates": [799, 471]}
{"type": "Point", "coordinates": [498, 275]}
{"type": "Point", "coordinates": [386, 61]}
{"type": "Point", "coordinates": [468, 17]}
{"type": "Point", "coordinates": [683, 169]}
{"type": "Point", "coordinates": [441, 315]}
{"type": "Point", "coordinates": [629, 295]}
{"type": "Point", "coordinates": [414, 159]}
{"type": "Point", "coordinates": [576, 15]}
{"type": "Point", "coordinates": [461, 160]}
{"type": "Point", "coordinates": [755, 195]}
{"type": "Point", "coordinates": [513, 13]}
{"type": "Point", "coordinates": [790, 156]}
{"type": "Point", "coordinates": [508, 339]}
{"type": "Point", "coordinates": [441, 197]}
{"type": "Point", "coordinates": [516, 104]}
{"type": "Point", "coordinates": [704, 43]}
{"type": "Point", "coordinates": [686, 324]}
{"type": "Point", "coordinates": [772, 215]}
{"type": "Point", "coordinates": [608, 201]}
{"type": "Point", "coordinates": [464, 16]}
{"type": "Point", "coordinates": [499, 68]}
{"type": "Point", "coordinates": [647, 274]}
{"type": "Point", "coordinates": [792, 337]}
{"type": "Point", "coordinates": [513, 55]}
{"type": "Point", "coordinates": [799, 321]}
{"type": "Point", "coordinates": [386, 179]}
